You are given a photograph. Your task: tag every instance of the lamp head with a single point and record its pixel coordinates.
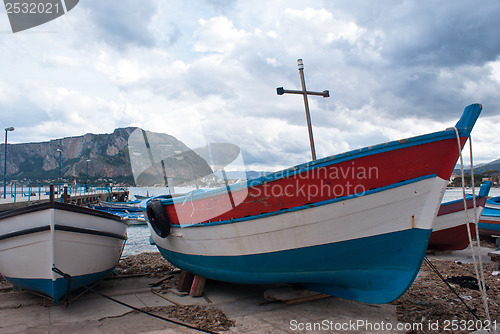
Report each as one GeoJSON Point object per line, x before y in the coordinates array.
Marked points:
{"type": "Point", "coordinates": [11, 128]}
{"type": "Point", "coordinates": [300, 64]}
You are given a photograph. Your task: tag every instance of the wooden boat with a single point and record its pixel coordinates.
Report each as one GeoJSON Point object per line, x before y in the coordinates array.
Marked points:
{"type": "Point", "coordinates": [85, 243]}
{"type": "Point", "coordinates": [130, 206]}
{"type": "Point", "coordinates": [493, 203]}
{"type": "Point", "coordinates": [354, 225]}
{"type": "Point", "coordinates": [131, 217]}
{"type": "Point", "coordinates": [449, 228]}
{"type": "Point", "coordinates": [489, 222]}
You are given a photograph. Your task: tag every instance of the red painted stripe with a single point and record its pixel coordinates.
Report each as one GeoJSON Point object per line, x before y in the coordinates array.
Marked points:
{"type": "Point", "coordinates": [323, 183]}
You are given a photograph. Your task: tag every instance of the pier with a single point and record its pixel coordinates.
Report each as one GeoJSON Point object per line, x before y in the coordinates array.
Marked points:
{"type": "Point", "coordinates": [79, 197]}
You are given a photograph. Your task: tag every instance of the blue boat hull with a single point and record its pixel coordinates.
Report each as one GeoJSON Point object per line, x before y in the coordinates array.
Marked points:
{"type": "Point", "coordinates": [58, 288]}
{"type": "Point", "coordinates": [382, 266]}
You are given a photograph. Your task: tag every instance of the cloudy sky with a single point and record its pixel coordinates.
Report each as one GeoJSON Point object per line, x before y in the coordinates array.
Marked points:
{"type": "Point", "coordinates": [207, 71]}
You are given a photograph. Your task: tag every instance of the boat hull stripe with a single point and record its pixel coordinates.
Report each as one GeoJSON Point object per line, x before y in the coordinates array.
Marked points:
{"type": "Point", "coordinates": [25, 232]}
{"type": "Point", "coordinates": [73, 229]}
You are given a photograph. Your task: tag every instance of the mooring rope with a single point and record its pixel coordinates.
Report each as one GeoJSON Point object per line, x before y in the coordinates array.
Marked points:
{"type": "Point", "coordinates": [431, 265]}
{"type": "Point", "coordinates": [71, 279]}
{"type": "Point", "coordinates": [479, 272]}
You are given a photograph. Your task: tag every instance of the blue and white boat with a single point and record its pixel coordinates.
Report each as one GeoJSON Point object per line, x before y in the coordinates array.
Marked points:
{"type": "Point", "coordinates": [354, 225]}
{"type": "Point", "coordinates": [82, 242]}
{"type": "Point", "coordinates": [489, 222]}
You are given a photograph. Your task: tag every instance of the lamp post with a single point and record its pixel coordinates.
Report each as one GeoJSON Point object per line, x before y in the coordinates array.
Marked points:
{"type": "Point", "coordinates": [59, 181]}
{"type": "Point", "coordinates": [87, 181]}
{"type": "Point", "coordinates": [5, 162]}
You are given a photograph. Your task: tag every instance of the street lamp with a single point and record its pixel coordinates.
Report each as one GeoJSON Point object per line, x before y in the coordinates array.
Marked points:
{"type": "Point", "coordinates": [5, 162]}
{"type": "Point", "coordinates": [59, 181]}
{"type": "Point", "coordinates": [87, 182]}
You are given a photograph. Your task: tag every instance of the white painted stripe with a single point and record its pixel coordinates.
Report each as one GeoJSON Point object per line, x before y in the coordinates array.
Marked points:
{"type": "Point", "coordinates": [455, 219]}
{"type": "Point", "coordinates": [375, 214]}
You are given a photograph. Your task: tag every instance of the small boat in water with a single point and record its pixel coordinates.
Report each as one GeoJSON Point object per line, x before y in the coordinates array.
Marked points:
{"type": "Point", "coordinates": [82, 242]}
{"type": "Point", "coordinates": [131, 206]}
{"type": "Point", "coordinates": [449, 228]}
{"type": "Point", "coordinates": [130, 216]}
{"type": "Point", "coordinates": [493, 203]}
{"type": "Point", "coordinates": [354, 225]}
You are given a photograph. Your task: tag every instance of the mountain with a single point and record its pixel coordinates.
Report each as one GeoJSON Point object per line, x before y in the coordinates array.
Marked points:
{"type": "Point", "coordinates": [492, 167]}
{"type": "Point", "coordinates": [108, 155]}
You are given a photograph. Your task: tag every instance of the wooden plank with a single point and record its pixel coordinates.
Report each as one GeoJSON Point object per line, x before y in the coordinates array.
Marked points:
{"type": "Point", "coordinates": [307, 299]}
{"type": "Point", "coordinates": [163, 279]}
{"type": "Point", "coordinates": [160, 295]}
{"type": "Point", "coordinates": [185, 281]}
{"type": "Point", "coordinates": [198, 286]}
{"type": "Point", "coordinates": [177, 292]}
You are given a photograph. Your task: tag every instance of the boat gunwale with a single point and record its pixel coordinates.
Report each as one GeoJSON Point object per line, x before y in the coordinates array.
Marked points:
{"type": "Point", "coordinates": [59, 206]}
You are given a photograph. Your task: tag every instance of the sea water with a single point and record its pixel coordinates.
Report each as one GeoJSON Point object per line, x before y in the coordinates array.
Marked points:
{"type": "Point", "coordinates": [139, 235]}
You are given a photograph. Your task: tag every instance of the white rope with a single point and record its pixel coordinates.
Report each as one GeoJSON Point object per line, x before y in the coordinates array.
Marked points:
{"type": "Point", "coordinates": [476, 224]}
{"type": "Point", "coordinates": [480, 277]}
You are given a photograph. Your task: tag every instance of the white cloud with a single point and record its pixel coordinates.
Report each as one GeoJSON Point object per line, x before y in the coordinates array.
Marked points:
{"type": "Point", "coordinates": [217, 35]}
{"type": "Point", "coordinates": [495, 70]}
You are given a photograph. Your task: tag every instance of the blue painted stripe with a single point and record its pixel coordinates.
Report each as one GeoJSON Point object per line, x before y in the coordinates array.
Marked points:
{"type": "Point", "coordinates": [308, 206]}
{"type": "Point", "coordinates": [56, 289]}
{"type": "Point", "coordinates": [492, 212]}
{"type": "Point", "coordinates": [376, 269]}
{"type": "Point", "coordinates": [493, 200]}
{"type": "Point", "coordinates": [488, 226]}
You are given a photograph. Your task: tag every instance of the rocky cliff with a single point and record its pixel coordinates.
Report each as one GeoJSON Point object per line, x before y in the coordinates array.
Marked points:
{"type": "Point", "coordinates": [108, 155]}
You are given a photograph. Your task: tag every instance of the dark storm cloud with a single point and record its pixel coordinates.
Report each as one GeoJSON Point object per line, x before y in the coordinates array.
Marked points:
{"type": "Point", "coordinates": [429, 54]}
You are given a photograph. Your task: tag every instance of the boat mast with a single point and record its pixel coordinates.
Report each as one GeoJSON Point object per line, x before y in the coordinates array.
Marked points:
{"type": "Point", "coordinates": [304, 92]}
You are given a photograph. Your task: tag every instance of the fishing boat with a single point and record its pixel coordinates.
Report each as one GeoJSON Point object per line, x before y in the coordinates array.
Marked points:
{"type": "Point", "coordinates": [354, 225]}
{"type": "Point", "coordinates": [489, 222]}
{"type": "Point", "coordinates": [449, 229]}
{"type": "Point", "coordinates": [130, 216]}
{"type": "Point", "coordinates": [493, 203]}
{"type": "Point", "coordinates": [84, 243]}
{"type": "Point", "coordinates": [131, 205]}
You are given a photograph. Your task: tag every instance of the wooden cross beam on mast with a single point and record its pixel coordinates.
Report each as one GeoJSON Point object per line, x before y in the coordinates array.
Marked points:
{"type": "Point", "coordinates": [304, 92]}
